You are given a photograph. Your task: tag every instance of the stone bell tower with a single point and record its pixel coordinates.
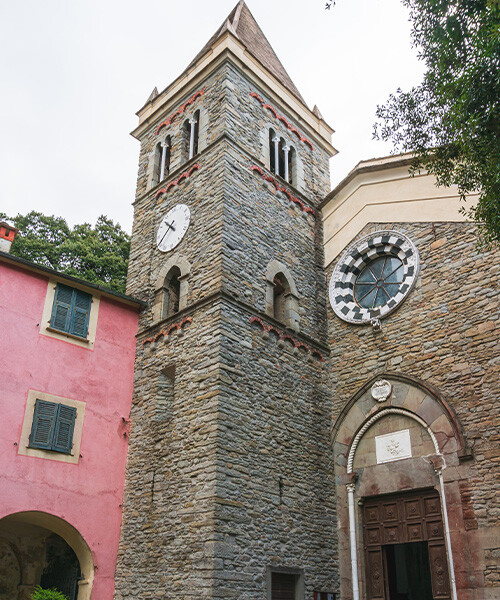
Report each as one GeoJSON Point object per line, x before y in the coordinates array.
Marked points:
{"type": "Point", "coordinates": [229, 487]}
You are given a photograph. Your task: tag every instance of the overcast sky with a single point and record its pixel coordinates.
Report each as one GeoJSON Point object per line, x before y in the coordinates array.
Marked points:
{"type": "Point", "coordinates": [74, 72]}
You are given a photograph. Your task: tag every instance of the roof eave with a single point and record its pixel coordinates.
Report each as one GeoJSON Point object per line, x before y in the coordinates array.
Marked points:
{"type": "Point", "coordinates": [369, 166]}
{"type": "Point", "coordinates": [47, 271]}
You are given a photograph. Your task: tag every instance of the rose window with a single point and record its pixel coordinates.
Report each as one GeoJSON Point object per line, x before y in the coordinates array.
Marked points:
{"type": "Point", "coordinates": [378, 282]}
{"type": "Point", "coordinates": [373, 277]}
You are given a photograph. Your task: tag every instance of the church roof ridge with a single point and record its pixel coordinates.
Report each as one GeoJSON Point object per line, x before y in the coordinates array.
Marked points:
{"type": "Point", "coordinates": [242, 24]}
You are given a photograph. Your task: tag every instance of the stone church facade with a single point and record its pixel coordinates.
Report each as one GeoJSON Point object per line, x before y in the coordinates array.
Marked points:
{"type": "Point", "coordinates": [314, 413]}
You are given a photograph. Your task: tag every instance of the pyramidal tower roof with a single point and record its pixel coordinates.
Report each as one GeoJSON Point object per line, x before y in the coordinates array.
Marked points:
{"type": "Point", "coordinates": [243, 26]}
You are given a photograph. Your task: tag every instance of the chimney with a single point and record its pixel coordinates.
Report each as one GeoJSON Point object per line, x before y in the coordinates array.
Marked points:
{"type": "Point", "coordinates": [7, 235]}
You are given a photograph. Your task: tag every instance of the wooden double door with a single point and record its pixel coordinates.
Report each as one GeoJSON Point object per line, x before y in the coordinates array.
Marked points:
{"type": "Point", "coordinates": [405, 553]}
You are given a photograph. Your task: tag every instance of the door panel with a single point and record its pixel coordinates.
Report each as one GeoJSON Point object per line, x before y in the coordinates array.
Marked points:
{"type": "Point", "coordinates": [375, 581]}
{"type": "Point", "coordinates": [439, 571]}
{"type": "Point", "coordinates": [415, 532]}
{"type": "Point", "coordinates": [413, 517]}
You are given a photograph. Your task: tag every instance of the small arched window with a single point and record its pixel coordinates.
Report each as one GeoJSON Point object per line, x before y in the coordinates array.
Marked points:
{"type": "Point", "coordinates": [171, 288]}
{"type": "Point", "coordinates": [282, 301]}
{"type": "Point", "coordinates": [171, 293]}
{"type": "Point", "coordinates": [191, 134]}
{"type": "Point", "coordinates": [161, 160]}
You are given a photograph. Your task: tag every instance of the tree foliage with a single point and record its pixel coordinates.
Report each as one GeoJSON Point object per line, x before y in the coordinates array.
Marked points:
{"type": "Point", "coordinates": [46, 594]}
{"type": "Point", "coordinates": [96, 254]}
{"type": "Point", "coordinates": [451, 121]}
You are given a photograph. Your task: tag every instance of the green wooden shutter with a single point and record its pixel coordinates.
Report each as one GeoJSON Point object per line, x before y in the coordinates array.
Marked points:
{"type": "Point", "coordinates": [44, 419]}
{"type": "Point", "coordinates": [61, 309]}
{"type": "Point", "coordinates": [80, 313]}
{"type": "Point", "coordinates": [65, 424]}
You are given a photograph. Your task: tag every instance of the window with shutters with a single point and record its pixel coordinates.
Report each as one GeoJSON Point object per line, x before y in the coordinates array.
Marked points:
{"type": "Point", "coordinates": [70, 314]}
{"type": "Point", "coordinates": [71, 311]}
{"type": "Point", "coordinates": [53, 426]}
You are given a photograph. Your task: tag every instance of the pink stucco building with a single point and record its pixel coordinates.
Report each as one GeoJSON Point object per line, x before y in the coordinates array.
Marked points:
{"type": "Point", "coordinates": [66, 360]}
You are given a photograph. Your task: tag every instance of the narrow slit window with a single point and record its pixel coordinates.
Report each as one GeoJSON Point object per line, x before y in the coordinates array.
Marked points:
{"type": "Point", "coordinates": [196, 132]}
{"type": "Point", "coordinates": [280, 294]}
{"type": "Point", "coordinates": [165, 393]}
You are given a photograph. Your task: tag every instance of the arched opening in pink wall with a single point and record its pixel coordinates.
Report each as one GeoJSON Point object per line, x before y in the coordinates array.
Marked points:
{"type": "Point", "coordinates": [26, 539]}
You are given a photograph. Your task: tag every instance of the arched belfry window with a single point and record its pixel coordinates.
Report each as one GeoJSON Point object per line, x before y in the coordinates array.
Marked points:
{"type": "Point", "coordinates": [291, 166]}
{"type": "Point", "coordinates": [281, 295]}
{"type": "Point", "coordinates": [191, 134]}
{"type": "Point", "coordinates": [282, 157]}
{"type": "Point", "coordinates": [161, 161]}
{"type": "Point", "coordinates": [165, 158]}
{"type": "Point", "coordinates": [157, 164]}
{"type": "Point", "coordinates": [171, 289]}
{"type": "Point", "coordinates": [272, 151]}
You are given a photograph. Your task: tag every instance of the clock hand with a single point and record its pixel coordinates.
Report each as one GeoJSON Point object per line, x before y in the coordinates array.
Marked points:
{"type": "Point", "coordinates": [169, 227]}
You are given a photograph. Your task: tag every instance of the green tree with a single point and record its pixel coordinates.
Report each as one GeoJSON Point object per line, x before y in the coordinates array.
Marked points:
{"type": "Point", "coordinates": [451, 121]}
{"type": "Point", "coordinates": [45, 594]}
{"type": "Point", "coordinates": [96, 254]}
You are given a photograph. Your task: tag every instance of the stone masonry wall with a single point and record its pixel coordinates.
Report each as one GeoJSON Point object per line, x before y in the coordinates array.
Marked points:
{"type": "Point", "coordinates": [446, 334]}
{"type": "Point", "coordinates": [168, 515]}
{"type": "Point", "coordinates": [275, 495]}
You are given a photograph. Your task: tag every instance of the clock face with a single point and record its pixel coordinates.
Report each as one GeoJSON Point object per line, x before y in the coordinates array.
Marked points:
{"type": "Point", "coordinates": [173, 227]}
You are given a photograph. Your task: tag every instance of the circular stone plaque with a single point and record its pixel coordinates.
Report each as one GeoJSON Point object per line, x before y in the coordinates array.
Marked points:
{"type": "Point", "coordinates": [381, 390]}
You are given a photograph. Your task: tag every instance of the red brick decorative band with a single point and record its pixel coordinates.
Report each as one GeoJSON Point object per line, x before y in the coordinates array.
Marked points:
{"type": "Point", "coordinates": [283, 120]}
{"type": "Point", "coordinates": [180, 110]}
{"type": "Point", "coordinates": [287, 337]}
{"type": "Point", "coordinates": [166, 332]}
{"type": "Point", "coordinates": [283, 189]}
{"type": "Point", "coordinates": [178, 180]}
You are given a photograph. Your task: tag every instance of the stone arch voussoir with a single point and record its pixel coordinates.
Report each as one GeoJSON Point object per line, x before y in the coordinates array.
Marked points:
{"type": "Point", "coordinates": [409, 395]}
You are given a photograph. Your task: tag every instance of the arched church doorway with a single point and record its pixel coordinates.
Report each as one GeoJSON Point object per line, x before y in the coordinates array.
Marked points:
{"type": "Point", "coordinates": [401, 461]}
{"type": "Point", "coordinates": [37, 548]}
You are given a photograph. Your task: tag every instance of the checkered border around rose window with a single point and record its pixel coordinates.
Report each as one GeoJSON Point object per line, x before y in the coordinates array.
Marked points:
{"type": "Point", "coordinates": [356, 258]}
